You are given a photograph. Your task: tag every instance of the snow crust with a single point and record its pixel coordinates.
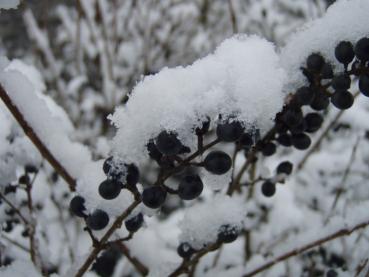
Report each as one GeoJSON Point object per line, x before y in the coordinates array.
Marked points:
{"type": "Point", "coordinates": [20, 268]}
{"type": "Point", "coordinates": [9, 4]}
{"type": "Point", "coordinates": [226, 82]}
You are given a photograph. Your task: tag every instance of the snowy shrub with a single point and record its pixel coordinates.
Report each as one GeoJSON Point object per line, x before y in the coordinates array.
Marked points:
{"type": "Point", "coordinates": [249, 161]}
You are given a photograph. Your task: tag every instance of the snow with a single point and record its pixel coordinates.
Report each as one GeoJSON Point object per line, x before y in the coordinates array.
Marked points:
{"type": "Point", "coordinates": [202, 221]}
{"type": "Point", "coordinates": [20, 268]}
{"type": "Point", "coordinates": [226, 82]}
{"type": "Point", "coordinates": [9, 4]}
{"type": "Point", "coordinates": [345, 20]}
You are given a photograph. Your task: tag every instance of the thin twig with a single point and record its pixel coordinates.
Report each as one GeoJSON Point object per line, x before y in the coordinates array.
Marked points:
{"type": "Point", "coordinates": [140, 267]}
{"type": "Point", "coordinates": [36, 140]}
{"type": "Point", "coordinates": [17, 211]}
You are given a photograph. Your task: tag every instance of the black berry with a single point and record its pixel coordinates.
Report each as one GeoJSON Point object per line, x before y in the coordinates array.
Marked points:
{"type": "Point", "coordinates": [344, 52]}
{"type": "Point", "coordinates": [185, 250]}
{"type": "Point", "coordinates": [154, 152]}
{"type": "Point", "coordinates": [204, 127]}
{"type": "Point", "coordinates": [30, 168]}
{"type": "Point", "coordinates": [362, 49]}
{"type": "Point", "coordinates": [320, 102]}
{"type": "Point", "coordinates": [168, 143]}
{"type": "Point", "coordinates": [98, 220]}
{"type": "Point", "coordinates": [133, 175]}
{"type": "Point", "coordinates": [284, 139]}
{"type": "Point", "coordinates": [246, 140]}
{"type": "Point", "coordinates": [134, 223]}
{"type": "Point", "coordinates": [153, 197]}
{"type": "Point", "coordinates": [364, 84]}
{"type": "Point", "coordinates": [285, 167]}
{"type": "Point", "coordinates": [292, 117]}
{"type": "Point", "coordinates": [268, 188]}
{"type": "Point", "coordinates": [24, 179]}
{"type": "Point", "coordinates": [342, 99]}
{"type": "Point", "coordinates": [313, 122]}
{"type": "Point", "coordinates": [268, 149]}
{"type": "Point", "coordinates": [77, 206]}
{"type": "Point", "coordinates": [315, 62]}
{"type": "Point", "coordinates": [227, 233]}
{"type": "Point", "coordinates": [105, 264]}
{"type": "Point", "coordinates": [301, 141]}
{"type": "Point", "coordinates": [110, 189]}
{"type": "Point", "coordinates": [217, 162]}
{"type": "Point", "coordinates": [304, 96]}
{"type": "Point", "coordinates": [190, 187]}
{"type": "Point", "coordinates": [341, 82]}
{"type": "Point", "coordinates": [327, 71]}
{"type": "Point", "coordinates": [331, 273]}
{"type": "Point", "coordinates": [229, 131]}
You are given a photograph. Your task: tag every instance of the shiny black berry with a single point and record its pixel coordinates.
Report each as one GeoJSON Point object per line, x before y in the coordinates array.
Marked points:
{"type": "Point", "coordinates": [217, 162]}
{"type": "Point", "coordinates": [320, 102]}
{"type": "Point", "coordinates": [185, 250]}
{"type": "Point", "coordinates": [313, 122]}
{"type": "Point", "coordinates": [268, 149]}
{"type": "Point", "coordinates": [341, 82]}
{"type": "Point", "coordinates": [304, 96]}
{"type": "Point", "coordinates": [154, 152]}
{"type": "Point", "coordinates": [342, 100]}
{"type": "Point", "coordinates": [364, 84]}
{"type": "Point", "coordinates": [331, 273]}
{"type": "Point", "coordinates": [285, 167]}
{"type": "Point", "coordinates": [292, 117]}
{"type": "Point", "coordinates": [301, 141]}
{"type": "Point", "coordinates": [77, 206]}
{"type": "Point", "coordinates": [344, 52]}
{"type": "Point", "coordinates": [98, 220]}
{"type": "Point", "coordinates": [168, 143]}
{"type": "Point", "coordinates": [110, 189]}
{"type": "Point", "coordinates": [315, 62]}
{"type": "Point", "coordinates": [134, 223]}
{"type": "Point", "coordinates": [327, 71]}
{"type": "Point", "coordinates": [227, 233]}
{"type": "Point", "coordinates": [284, 139]}
{"type": "Point", "coordinates": [190, 187]}
{"type": "Point", "coordinates": [229, 131]}
{"type": "Point", "coordinates": [153, 197]}
{"type": "Point", "coordinates": [133, 175]}
{"type": "Point", "coordinates": [362, 49]}
{"type": "Point", "coordinates": [268, 188]}
{"type": "Point", "coordinates": [105, 264]}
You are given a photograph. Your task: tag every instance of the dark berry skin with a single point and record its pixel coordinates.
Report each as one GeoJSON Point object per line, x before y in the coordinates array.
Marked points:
{"type": "Point", "coordinates": [344, 52]}
{"type": "Point", "coordinates": [315, 62]}
{"type": "Point", "coordinates": [133, 175]}
{"type": "Point", "coordinates": [268, 149]}
{"type": "Point", "coordinates": [107, 165]}
{"type": "Point", "coordinates": [364, 84]}
{"type": "Point", "coordinates": [246, 140]}
{"type": "Point", "coordinates": [342, 100]}
{"type": "Point", "coordinates": [304, 96]}
{"type": "Point", "coordinates": [217, 162]}
{"type": "Point", "coordinates": [98, 220]}
{"type": "Point", "coordinates": [320, 102]}
{"type": "Point", "coordinates": [301, 141]}
{"type": "Point", "coordinates": [268, 188]}
{"type": "Point", "coordinates": [327, 71]}
{"type": "Point", "coordinates": [341, 82]}
{"type": "Point", "coordinates": [313, 122]}
{"type": "Point", "coordinates": [77, 206]}
{"type": "Point", "coordinates": [190, 187]}
{"type": "Point", "coordinates": [168, 143]}
{"type": "Point", "coordinates": [292, 117]}
{"type": "Point", "coordinates": [285, 140]}
{"type": "Point", "coordinates": [185, 250]}
{"type": "Point", "coordinates": [229, 131]}
{"type": "Point", "coordinates": [200, 131]}
{"type": "Point", "coordinates": [24, 179]}
{"type": "Point", "coordinates": [331, 273]}
{"type": "Point", "coordinates": [105, 264]}
{"type": "Point", "coordinates": [362, 49]}
{"type": "Point", "coordinates": [30, 168]}
{"type": "Point", "coordinates": [110, 189]}
{"type": "Point", "coordinates": [153, 197]}
{"type": "Point", "coordinates": [285, 167]}
{"type": "Point", "coordinates": [134, 224]}
{"type": "Point", "coordinates": [227, 233]}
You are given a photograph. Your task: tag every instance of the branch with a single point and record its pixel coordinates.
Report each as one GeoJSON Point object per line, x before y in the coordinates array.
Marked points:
{"type": "Point", "coordinates": [42, 148]}
{"type": "Point", "coordinates": [140, 267]}
{"type": "Point", "coordinates": [308, 246]}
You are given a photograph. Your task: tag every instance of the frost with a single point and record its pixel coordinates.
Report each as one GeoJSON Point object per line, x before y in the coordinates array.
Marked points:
{"type": "Point", "coordinates": [9, 4]}
{"type": "Point", "coordinates": [345, 20]}
{"type": "Point", "coordinates": [226, 82]}
{"type": "Point", "coordinates": [201, 222]}
{"type": "Point", "coordinates": [20, 268]}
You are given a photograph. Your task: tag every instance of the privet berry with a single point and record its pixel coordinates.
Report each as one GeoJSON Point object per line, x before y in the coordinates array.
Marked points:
{"type": "Point", "coordinates": [268, 188]}
{"type": "Point", "coordinates": [341, 82]}
{"type": "Point", "coordinates": [313, 122]}
{"type": "Point", "coordinates": [168, 143]}
{"type": "Point", "coordinates": [110, 189]}
{"type": "Point", "coordinates": [342, 100]}
{"type": "Point", "coordinates": [190, 187]}
{"type": "Point", "coordinates": [320, 102]}
{"type": "Point", "coordinates": [105, 264]}
{"type": "Point", "coordinates": [133, 175]}
{"type": "Point", "coordinates": [30, 168]}
{"type": "Point", "coordinates": [268, 149]}
{"type": "Point", "coordinates": [292, 117]}
{"type": "Point", "coordinates": [364, 84]}
{"type": "Point", "coordinates": [227, 233]}
{"type": "Point", "coordinates": [246, 140]}
{"type": "Point", "coordinates": [344, 52]}
{"type": "Point", "coordinates": [77, 206]}
{"type": "Point", "coordinates": [185, 250]}
{"type": "Point", "coordinates": [217, 162]}
{"type": "Point", "coordinates": [134, 223]}
{"type": "Point", "coordinates": [284, 139]}
{"type": "Point", "coordinates": [153, 197]}
{"type": "Point", "coordinates": [362, 49]}
{"type": "Point", "coordinates": [98, 220]}
{"type": "Point", "coordinates": [327, 71]}
{"type": "Point", "coordinates": [315, 62]}
{"type": "Point", "coordinates": [229, 131]}
{"type": "Point", "coordinates": [301, 141]}
{"type": "Point", "coordinates": [285, 167]}
{"type": "Point", "coordinates": [154, 152]}
{"type": "Point", "coordinates": [304, 96]}
{"type": "Point", "coordinates": [331, 273]}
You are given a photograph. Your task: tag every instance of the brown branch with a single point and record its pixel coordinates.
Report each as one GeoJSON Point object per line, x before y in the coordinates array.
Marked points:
{"type": "Point", "coordinates": [308, 246]}
{"type": "Point", "coordinates": [17, 211]}
{"type": "Point", "coordinates": [140, 267]}
{"type": "Point", "coordinates": [36, 140]}
{"type": "Point", "coordinates": [233, 17]}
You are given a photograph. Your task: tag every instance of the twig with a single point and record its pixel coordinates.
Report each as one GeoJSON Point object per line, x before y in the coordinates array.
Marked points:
{"type": "Point", "coordinates": [42, 148]}
{"type": "Point", "coordinates": [233, 17]}
{"type": "Point", "coordinates": [20, 246]}
{"type": "Point", "coordinates": [140, 267]}
{"type": "Point", "coordinates": [308, 246]}
{"type": "Point", "coordinates": [17, 211]}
